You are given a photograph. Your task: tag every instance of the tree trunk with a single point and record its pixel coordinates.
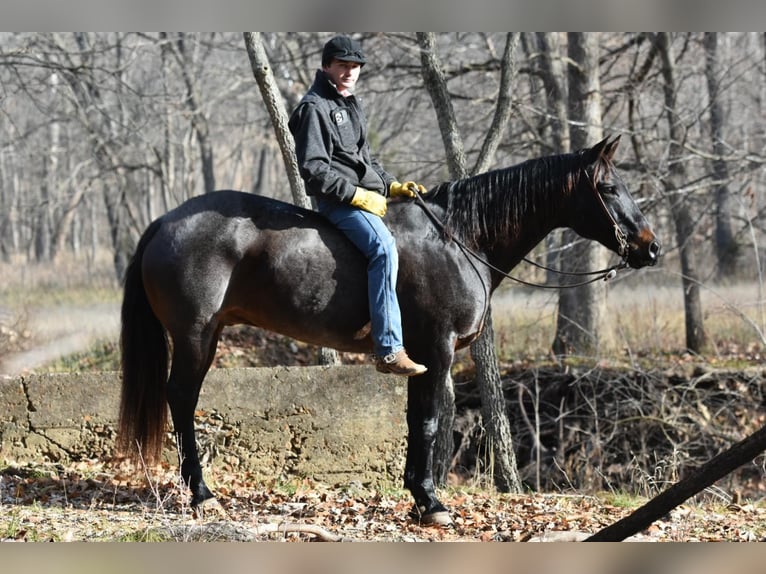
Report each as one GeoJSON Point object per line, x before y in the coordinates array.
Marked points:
{"type": "Point", "coordinates": [483, 349]}
{"type": "Point", "coordinates": [494, 413]}
{"type": "Point", "coordinates": [555, 84]}
{"type": "Point", "coordinates": [272, 98]}
{"type": "Point", "coordinates": [725, 244]}
{"type": "Point", "coordinates": [502, 107]}
{"type": "Point", "coordinates": [9, 240]}
{"type": "Point", "coordinates": [580, 308]}
{"type": "Point", "coordinates": [167, 162]}
{"type": "Point", "coordinates": [680, 210]}
{"type": "Point", "coordinates": [198, 118]}
{"type": "Point", "coordinates": [42, 229]}
{"type": "Point", "coordinates": [557, 131]}
{"type": "Point", "coordinates": [436, 86]}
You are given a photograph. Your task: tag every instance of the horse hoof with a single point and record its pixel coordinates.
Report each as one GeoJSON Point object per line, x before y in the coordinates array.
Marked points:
{"type": "Point", "coordinates": [435, 518]}
{"type": "Point", "coordinates": [441, 518]}
{"type": "Point", "coordinates": [208, 508]}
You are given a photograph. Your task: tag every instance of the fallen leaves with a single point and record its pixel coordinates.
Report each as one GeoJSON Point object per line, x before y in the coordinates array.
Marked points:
{"type": "Point", "coordinates": [88, 501]}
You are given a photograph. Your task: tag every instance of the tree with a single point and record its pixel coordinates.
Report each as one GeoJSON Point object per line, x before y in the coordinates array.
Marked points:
{"type": "Point", "coordinates": [680, 209]}
{"type": "Point", "coordinates": [275, 106]}
{"type": "Point", "coordinates": [577, 326]}
{"type": "Point", "coordinates": [494, 412]}
{"type": "Point", "coordinates": [726, 248]}
{"type": "Point", "coordinates": [556, 131]}
{"type": "Point", "coordinates": [78, 69]}
{"type": "Point", "coordinates": [186, 58]}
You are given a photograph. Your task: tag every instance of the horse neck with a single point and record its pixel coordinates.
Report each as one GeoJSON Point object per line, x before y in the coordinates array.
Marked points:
{"type": "Point", "coordinates": [505, 213]}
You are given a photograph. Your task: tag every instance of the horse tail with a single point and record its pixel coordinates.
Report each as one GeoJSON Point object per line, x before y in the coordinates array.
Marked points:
{"type": "Point", "coordinates": [144, 366]}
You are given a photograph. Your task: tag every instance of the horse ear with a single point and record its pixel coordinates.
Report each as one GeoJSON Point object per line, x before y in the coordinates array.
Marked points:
{"type": "Point", "coordinates": [603, 150]}
{"type": "Point", "coordinates": [593, 154]}
{"type": "Point", "coordinates": [611, 147]}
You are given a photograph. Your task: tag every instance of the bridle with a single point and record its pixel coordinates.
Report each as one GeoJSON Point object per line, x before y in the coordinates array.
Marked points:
{"type": "Point", "coordinates": [619, 234]}
{"type": "Point", "coordinates": [602, 274]}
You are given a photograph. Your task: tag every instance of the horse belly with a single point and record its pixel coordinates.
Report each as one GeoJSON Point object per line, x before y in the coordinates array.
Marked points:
{"type": "Point", "coordinates": [302, 292]}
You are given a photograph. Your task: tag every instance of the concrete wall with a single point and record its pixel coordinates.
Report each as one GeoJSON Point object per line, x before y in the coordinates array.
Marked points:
{"type": "Point", "coordinates": [333, 424]}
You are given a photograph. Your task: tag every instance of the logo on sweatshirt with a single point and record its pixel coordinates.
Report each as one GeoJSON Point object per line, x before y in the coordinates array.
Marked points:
{"type": "Point", "coordinates": [340, 116]}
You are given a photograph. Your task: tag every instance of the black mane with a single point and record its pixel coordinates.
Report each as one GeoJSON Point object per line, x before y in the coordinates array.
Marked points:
{"type": "Point", "coordinates": [494, 203]}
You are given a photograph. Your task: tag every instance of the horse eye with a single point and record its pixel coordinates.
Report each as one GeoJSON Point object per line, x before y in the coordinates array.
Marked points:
{"type": "Point", "coordinates": [607, 188]}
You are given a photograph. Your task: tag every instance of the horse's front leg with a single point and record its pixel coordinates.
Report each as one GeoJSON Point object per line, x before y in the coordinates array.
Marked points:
{"type": "Point", "coordinates": [423, 424]}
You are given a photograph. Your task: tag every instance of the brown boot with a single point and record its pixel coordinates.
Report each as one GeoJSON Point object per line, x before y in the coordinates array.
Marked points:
{"type": "Point", "coordinates": [399, 364]}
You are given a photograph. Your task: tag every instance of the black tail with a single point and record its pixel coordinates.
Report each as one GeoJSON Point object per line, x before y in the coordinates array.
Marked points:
{"type": "Point", "coordinates": [144, 364]}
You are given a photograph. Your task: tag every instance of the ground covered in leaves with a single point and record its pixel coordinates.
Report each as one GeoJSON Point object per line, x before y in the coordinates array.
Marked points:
{"type": "Point", "coordinates": [88, 501]}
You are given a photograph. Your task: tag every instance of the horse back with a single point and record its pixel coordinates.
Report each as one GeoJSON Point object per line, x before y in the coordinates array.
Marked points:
{"type": "Point", "coordinates": [232, 257]}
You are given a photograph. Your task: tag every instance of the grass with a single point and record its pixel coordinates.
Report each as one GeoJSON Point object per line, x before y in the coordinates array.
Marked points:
{"type": "Point", "coordinates": [639, 321]}
{"type": "Point", "coordinates": [149, 534]}
{"type": "Point", "coordinates": [621, 499]}
{"type": "Point", "coordinates": [643, 319]}
{"type": "Point", "coordinates": [103, 355]}
{"type": "Point", "coordinates": [69, 281]}
{"type": "Point", "coordinates": [644, 327]}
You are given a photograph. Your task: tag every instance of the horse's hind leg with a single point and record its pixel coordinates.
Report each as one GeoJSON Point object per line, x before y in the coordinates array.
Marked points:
{"type": "Point", "coordinates": [192, 355]}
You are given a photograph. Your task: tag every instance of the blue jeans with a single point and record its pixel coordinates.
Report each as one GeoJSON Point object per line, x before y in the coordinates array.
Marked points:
{"type": "Point", "coordinates": [371, 236]}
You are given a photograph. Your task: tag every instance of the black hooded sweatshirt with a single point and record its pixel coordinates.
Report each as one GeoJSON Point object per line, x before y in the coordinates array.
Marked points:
{"type": "Point", "coordinates": [331, 145]}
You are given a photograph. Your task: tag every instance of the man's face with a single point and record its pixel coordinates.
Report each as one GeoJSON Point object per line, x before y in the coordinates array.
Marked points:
{"type": "Point", "coordinates": [343, 74]}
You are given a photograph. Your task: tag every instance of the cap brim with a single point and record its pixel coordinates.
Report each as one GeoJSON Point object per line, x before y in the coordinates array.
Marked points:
{"type": "Point", "coordinates": [352, 59]}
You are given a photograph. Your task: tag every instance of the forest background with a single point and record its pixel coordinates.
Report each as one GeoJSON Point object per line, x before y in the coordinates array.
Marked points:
{"type": "Point", "coordinates": [102, 132]}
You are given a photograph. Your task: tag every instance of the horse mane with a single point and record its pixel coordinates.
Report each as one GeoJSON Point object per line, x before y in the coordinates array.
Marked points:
{"type": "Point", "coordinates": [493, 204]}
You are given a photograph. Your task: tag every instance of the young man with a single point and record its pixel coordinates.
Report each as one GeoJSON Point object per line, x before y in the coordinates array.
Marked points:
{"type": "Point", "coordinates": [351, 187]}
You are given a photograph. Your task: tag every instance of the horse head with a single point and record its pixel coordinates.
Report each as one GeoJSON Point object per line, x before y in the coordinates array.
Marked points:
{"type": "Point", "coordinates": [606, 211]}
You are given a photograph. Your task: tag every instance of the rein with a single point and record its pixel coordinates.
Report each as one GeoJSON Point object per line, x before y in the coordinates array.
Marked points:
{"type": "Point", "coordinates": [605, 274]}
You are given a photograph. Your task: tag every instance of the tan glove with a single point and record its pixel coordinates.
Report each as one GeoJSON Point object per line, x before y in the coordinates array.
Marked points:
{"type": "Point", "coordinates": [397, 189]}
{"type": "Point", "coordinates": [370, 201]}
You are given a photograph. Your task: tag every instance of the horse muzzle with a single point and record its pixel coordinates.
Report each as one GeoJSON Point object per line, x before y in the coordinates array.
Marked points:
{"type": "Point", "coordinates": [645, 252]}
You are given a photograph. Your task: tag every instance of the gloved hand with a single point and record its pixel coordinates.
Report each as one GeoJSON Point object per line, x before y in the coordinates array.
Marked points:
{"type": "Point", "coordinates": [397, 189]}
{"type": "Point", "coordinates": [370, 201]}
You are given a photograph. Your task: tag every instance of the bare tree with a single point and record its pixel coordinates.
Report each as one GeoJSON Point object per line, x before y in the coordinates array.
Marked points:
{"type": "Point", "coordinates": [78, 70]}
{"type": "Point", "coordinates": [557, 129]}
{"type": "Point", "coordinates": [726, 248]}
{"type": "Point", "coordinates": [433, 78]}
{"type": "Point", "coordinates": [9, 236]}
{"type": "Point", "coordinates": [577, 325]}
{"type": "Point", "coordinates": [494, 412]}
{"type": "Point", "coordinates": [186, 58]}
{"type": "Point", "coordinates": [680, 210]}
{"type": "Point", "coordinates": [275, 106]}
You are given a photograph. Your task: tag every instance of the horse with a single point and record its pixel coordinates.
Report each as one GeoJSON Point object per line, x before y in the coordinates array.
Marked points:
{"type": "Point", "coordinates": [231, 257]}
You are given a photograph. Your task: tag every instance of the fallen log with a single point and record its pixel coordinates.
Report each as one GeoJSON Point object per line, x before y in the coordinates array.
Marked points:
{"type": "Point", "coordinates": [713, 470]}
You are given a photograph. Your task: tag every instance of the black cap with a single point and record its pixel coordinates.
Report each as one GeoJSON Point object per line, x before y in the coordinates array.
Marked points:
{"type": "Point", "coordinates": [342, 48]}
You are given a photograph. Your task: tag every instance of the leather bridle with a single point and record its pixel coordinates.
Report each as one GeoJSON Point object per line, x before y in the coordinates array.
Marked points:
{"type": "Point", "coordinates": [602, 274]}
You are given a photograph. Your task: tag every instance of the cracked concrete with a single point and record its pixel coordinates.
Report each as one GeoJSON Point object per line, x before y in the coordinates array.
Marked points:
{"type": "Point", "coordinates": [333, 424]}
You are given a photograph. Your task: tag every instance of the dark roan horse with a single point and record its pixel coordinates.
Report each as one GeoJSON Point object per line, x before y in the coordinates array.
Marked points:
{"type": "Point", "coordinates": [230, 258]}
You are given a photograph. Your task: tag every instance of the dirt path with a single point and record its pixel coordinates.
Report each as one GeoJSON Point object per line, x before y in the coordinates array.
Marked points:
{"type": "Point", "coordinates": [59, 331]}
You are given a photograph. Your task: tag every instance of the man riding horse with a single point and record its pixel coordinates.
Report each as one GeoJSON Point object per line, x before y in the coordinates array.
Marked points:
{"type": "Point", "coordinates": [330, 131]}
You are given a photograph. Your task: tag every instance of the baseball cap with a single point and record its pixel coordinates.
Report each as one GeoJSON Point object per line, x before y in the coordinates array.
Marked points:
{"type": "Point", "coordinates": [342, 48]}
